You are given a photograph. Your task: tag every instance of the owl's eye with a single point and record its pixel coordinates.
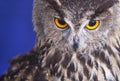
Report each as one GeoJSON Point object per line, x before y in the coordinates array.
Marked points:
{"type": "Point", "coordinates": [60, 23]}
{"type": "Point", "coordinates": [93, 24]}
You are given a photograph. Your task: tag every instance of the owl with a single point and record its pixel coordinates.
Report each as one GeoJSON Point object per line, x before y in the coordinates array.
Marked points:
{"type": "Point", "coordinates": [76, 40]}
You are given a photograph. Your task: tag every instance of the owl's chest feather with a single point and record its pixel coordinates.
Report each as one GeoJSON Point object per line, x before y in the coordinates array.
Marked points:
{"type": "Point", "coordinates": [52, 65]}
{"type": "Point", "coordinates": [100, 65]}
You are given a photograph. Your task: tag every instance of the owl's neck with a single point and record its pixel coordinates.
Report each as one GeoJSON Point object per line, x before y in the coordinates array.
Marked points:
{"type": "Point", "coordinates": [99, 64]}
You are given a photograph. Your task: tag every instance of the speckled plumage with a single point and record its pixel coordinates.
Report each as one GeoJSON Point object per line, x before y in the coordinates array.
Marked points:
{"type": "Point", "coordinates": [74, 53]}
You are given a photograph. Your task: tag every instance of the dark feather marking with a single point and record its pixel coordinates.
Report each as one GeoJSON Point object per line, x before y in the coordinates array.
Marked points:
{"type": "Point", "coordinates": [89, 62]}
{"type": "Point", "coordinates": [44, 49]}
{"type": "Point", "coordinates": [71, 70]}
{"type": "Point", "coordinates": [95, 78]}
{"type": "Point", "coordinates": [55, 68]}
{"type": "Point", "coordinates": [30, 69]}
{"type": "Point", "coordinates": [81, 58]}
{"type": "Point", "coordinates": [12, 73]}
{"type": "Point", "coordinates": [110, 51]}
{"type": "Point", "coordinates": [68, 74]}
{"type": "Point", "coordinates": [26, 71]}
{"type": "Point", "coordinates": [105, 59]}
{"type": "Point", "coordinates": [118, 48]}
{"type": "Point", "coordinates": [96, 65]}
{"type": "Point", "coordinates": [56, 58]}
{"type": "Point", "coordinates": [53, 61]}
{"type": "Point", "coordinates": [118, 64]}
{"type": "Point", "coordinates": [80, 77]}
{"type": "Point", "coordinates": [109, 78]}
{"type": "Point", "coordinates": [58, 74]}
{"type": "Point", "coordinates": [57, 8]}
{"type": "Point", "coordinates": [73, 79]}
{"type": "Point", "coordinates": [48, 61]}
{"type": "Point", "coordinates": [24, 78]}
{"type": "Point", "coordinates": [96, 53]}
{"type": "Point", "coordinates": [86, 72]}
{"type": "Point", "coordinates": [30, 56]}
{"type": "Point", "coordinates": [103, 72]}
{"type": "Point", "coordinates": [63, 78]}
{"type": "Point", "coordinates": [21, 62]}
{"type": "Point", "coordinates": [72, 67]}
{"type": "Point", "coordinates": [108, 63]}
{"type": "Point", "coordinates": [104, 6]}
{"type": "Point", "coordinates": [55, 73]}
{"type": "Point", "coordinates": [116, 78]}
{"type": "Point", "coordinates": [39, 76]}
{"type": "Point", "coordinates": [66, 60]}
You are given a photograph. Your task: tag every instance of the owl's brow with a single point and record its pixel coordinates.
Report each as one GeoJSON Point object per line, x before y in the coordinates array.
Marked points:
{"type": "Point", "coordinates": [103, 7]}
{"type": "Point", "coordinates": [56, 7]}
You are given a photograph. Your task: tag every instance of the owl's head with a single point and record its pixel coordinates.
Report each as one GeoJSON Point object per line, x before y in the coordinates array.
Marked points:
{"type": "Point", "coordinates": [75, 25]}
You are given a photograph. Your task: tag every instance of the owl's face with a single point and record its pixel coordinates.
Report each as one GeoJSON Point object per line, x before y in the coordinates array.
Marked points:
{"type": "Point", "coordinates": [75, 25]}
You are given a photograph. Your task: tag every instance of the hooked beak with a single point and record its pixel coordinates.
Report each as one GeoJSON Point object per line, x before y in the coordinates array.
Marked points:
{"type": "Point", "coordinates": [75, 43]}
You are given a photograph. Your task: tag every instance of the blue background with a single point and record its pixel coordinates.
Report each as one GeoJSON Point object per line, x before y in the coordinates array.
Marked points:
{"type": "Point", "coordinates": [16, 30]}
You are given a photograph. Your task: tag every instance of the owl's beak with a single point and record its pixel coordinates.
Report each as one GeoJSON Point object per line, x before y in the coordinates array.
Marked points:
{"type": "Point", "coordinates": [75, 43]}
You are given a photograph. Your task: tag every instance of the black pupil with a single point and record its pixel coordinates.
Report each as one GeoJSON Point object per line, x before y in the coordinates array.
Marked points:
{"type": "Point", "coordinates": [92, 23]}
{"type": "Point", "coordinates": [62, 22]}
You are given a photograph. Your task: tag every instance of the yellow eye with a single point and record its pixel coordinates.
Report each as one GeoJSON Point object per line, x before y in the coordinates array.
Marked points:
{"type": "Point", "coordinates": [93, 24]}
{"type": "Point", "coordinates": [60, 23]}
